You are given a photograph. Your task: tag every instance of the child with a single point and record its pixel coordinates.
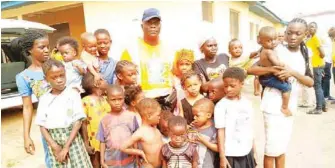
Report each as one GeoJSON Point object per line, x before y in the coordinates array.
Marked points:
{"type": "Point", "coordinates": [106, 63]}
{"type": "Point", "coordinates": [126, 73]}
{"type": "Point", "coordinates": [116, 127]}
{"type": "Point", "coordinates": [95, 108]}
{"type": "Point", "coordinates": [74, 68]}
{"type": "Point", "coordinates": [268, 57]}
{"type": "Point", "coordinates": [206, 132]}
{"type": "Point", "coordinates": [89, 55]}
{"type": "Point", "coordinates": [244, 62]}
{"type": "Point", "coordinates": [59, 116]}
{"type": "Point", "coordinates": [148, 136]}
{"type": "Point", "coordinates": [163, 125]}
{"type": "Point", "coordinates": [215, 90]}
{"type": "Point", "coordinates": [191, 83]}
{"type": "Point", "coordinates": [133, 95]}
{"type": "Point", "coordinates": [182, 64]}
{"type": "Point", "coordinates": [179, 152]}
{"type": "Point", "coordinates": [233, 116]}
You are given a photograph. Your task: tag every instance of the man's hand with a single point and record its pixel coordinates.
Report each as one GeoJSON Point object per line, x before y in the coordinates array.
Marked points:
{"type": "Point", "coordinates": [29, 145]}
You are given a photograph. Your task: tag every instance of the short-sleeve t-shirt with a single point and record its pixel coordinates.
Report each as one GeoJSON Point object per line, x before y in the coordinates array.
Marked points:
{"type": "Point", "coordinates": [31, 82]}
{"type": "Point", "coordinates": [207, 156]}
{"type": "Point", "coordinates": [59, 111]}
{"type": "Point", "coordinates": [236, 117]}
{"type": "Point", "coordinates": [155, 64]}
{"type": "Point", "coordinates": [314, 43]}
{"type": "Point", "coordinates": [107, 68]}
{"type": "Point", "coordinates": [114, 130]}
{"type": "Point", "coordinates": [212, 70]}
{"type": "Point", "coordinates": [73, 77]}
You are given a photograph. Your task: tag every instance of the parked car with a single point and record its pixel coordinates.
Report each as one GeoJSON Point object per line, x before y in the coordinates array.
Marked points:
{"type": "Point", "coordinates": [12, 60]}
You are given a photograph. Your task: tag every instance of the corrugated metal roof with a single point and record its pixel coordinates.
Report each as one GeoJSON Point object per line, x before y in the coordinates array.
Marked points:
{"type": "Point", "coordinates": [263, 11]}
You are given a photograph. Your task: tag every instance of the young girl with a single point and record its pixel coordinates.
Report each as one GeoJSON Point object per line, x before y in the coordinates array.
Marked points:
{"type": "Point", "coordinates": [179, 152]}
{"type": "Point", "coordinates": [182, 64]}
{"type": "Point", "coordinates": [126, 73]}
{"type": "Point", "coordinates": [95, 108]}
{"type": "Point", "coordinates": [74, 68]}
{"type": "Point", "coordinates": [133, 95]}
{"type": "Point", "coordinates": [278, 128]}
{"type": "Point", "coordinates": [59, 115]}
{"type": "Point", "coordinates": [106, 63]}
{"type": "Point", "coordinates": [191, 83]}
{"type": "Point", "coordinates": [31, 82]}
{"type": "Point", "coordinates": [233, 117]}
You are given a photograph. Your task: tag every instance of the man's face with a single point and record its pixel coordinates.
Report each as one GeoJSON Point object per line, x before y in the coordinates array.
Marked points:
{"type": "Point", "coordinates": [152, 27]}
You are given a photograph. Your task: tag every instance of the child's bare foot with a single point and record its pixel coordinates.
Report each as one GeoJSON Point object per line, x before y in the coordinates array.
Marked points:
{"type": "Point", "coordinates": [257, 93]}
{"type": "Point", "coordinates": [286, 112]}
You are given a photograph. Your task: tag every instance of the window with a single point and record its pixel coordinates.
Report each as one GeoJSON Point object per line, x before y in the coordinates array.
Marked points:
{"type": "Point", "coordinates": [257, 29]}
{"type": "Point", "coordinates": [234, 24]}
{"type": "Point", "coordinates": [252, 31]}
{"type": "Point", "coordinates": [207, 11]}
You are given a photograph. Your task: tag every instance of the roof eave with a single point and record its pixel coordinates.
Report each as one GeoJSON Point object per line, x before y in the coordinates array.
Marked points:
{"type": "Point", "coordinates": [263, 11]}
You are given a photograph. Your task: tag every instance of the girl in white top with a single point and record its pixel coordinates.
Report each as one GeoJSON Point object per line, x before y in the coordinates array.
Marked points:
{"type": "Point", "coordinates": [233, 116]}
{"type": "Point", "coordinates": [278, 128]}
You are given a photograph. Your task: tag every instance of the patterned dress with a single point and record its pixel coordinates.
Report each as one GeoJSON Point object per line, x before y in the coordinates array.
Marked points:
{"type": "Point", "coordinates": [95, 109]}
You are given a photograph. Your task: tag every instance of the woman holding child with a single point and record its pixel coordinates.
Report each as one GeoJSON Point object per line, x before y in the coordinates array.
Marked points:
{"type": "Point", "coordinates": [278, 127]}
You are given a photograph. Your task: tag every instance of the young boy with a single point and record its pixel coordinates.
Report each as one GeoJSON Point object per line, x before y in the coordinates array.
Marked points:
{"type": "Point", "coordinates": [115, 128]}
{"type": "Point", "coordinates": [233, 116]}
{"type": "Point", "coordinates": [163, 125]}
{"type": "Point", "coordinates": [59, 115]}
{"type": "Point", "coordinates": [148, 136]}
{"type": "Point", "coordinates": [203, 124]}
{"type": "Point", "coordinates": [215, 90]}
{"type": "Point", "coordinates": [268, 57]}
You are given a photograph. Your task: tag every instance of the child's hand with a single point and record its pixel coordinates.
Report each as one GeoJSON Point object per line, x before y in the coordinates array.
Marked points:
{"type": "Point", "coordinates": [56, 149]}
{"type": "Point", "coordinates": [63, 155]}
{"type": "Point", "coordinates": [224, 163]}
{"type": "Point", "coordinates": [104, 165]}
{"type": "Point", "coordinates": [142, 154]}
{"type": "Point", "coordinates": [97, 79]}
{"type": "Point", "coordinates": [89, 149]}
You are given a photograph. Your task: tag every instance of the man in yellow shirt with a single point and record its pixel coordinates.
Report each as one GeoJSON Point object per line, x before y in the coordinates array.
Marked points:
{"type": "Point", "coordinates": [318, 65]}
{"type": "Point", "coordinates": [153, 58]}
{"type": "Point", "coordinates": [331, 34]}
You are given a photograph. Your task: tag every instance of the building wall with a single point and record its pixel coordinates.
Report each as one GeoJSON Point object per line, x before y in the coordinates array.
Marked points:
{"type": "Point", "coordinates": [123, 20]}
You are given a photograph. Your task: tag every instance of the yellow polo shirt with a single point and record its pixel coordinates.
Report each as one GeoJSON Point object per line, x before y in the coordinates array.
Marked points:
{"type": "Point", "coordinates": [314, 43]}
{"type": "Point", "coordinates": [333, 53]}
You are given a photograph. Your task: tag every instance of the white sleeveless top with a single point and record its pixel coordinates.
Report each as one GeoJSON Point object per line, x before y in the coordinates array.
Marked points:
{"type": "Point", "coordinates": [272, 99]}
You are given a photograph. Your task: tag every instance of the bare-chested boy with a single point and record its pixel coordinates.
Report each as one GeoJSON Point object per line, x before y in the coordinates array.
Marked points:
{"type": "Point", "coordinates": [148, 136]}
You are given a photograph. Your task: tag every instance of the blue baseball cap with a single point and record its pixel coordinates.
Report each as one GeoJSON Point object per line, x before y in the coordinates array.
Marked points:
{"type": "Point", "coordinates": [151, 13]}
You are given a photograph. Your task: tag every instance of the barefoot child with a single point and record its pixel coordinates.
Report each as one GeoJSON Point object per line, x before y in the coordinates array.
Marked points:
{"type": "Point", "coordinates": [163, 125]}
{"type": "Point", "coordinates": [206, 132]}
{"type": "Point", "coordinates": [95, 108]}
{"type": "Point", "coordinates": [74, 68]}
{"type": "Point", "coordinates": [133, 95]}
{"type": "Point", "coordinates": [116, 127]}
{"type": "Point", "coordinates": [126, 73]}
{"type": "Point", "coordinates": [59, 116]}
{"type": "Point", "coordinates": [268, 58]}
{"type": "Point", "coordinates": [179, 152]}
{"type": "Point", "coordinates": [233, 116]}
{"type": "Point", "coordinates": [148, 136]}
{"type": "Point", "coordinates": [191, 83]}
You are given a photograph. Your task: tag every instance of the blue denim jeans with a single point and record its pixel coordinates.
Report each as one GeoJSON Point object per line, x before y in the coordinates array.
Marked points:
{"type": "Point", "coordinates": [46, 153]}
{"type": "Point", "coordinates": [320, 99]}
{"type": "Point", "coordinates": [326, 80]}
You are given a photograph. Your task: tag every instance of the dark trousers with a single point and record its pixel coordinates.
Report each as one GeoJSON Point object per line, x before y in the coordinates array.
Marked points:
{"type": "Point", "coordinates": [326, 80]}
{"type": "Point", "coordinates": [320, 99]}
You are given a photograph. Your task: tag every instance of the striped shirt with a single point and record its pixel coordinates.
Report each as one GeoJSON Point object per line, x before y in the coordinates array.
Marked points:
{"type": "Point", "coordinates": [178, 157]}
